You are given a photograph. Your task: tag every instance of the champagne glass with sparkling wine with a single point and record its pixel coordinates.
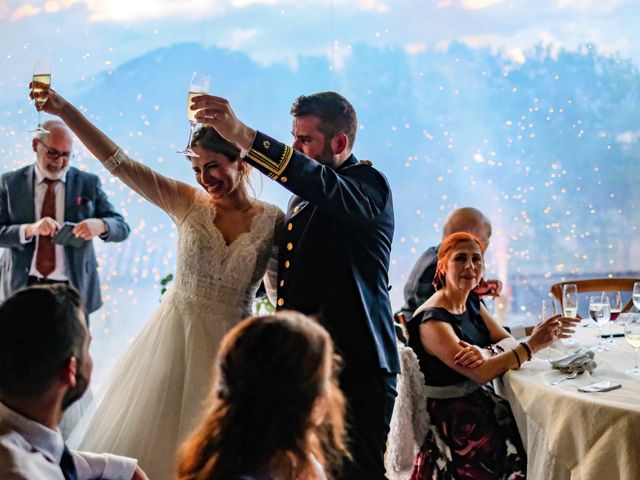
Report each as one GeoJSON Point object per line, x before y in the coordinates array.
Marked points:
{"type": "Point", "coordinates": [570, 305]}
{"type": "Point", "coordinates": [41, 74]}
{"type": "Point", "coordinates": [199, 85]}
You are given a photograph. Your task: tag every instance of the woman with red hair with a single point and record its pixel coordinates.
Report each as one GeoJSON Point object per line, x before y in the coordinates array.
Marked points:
{"type": "Point", "coordinates": [472, 432]}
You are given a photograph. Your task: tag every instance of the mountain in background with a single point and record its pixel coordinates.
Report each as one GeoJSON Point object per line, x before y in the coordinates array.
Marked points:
{"type": "Point", "coordinates": [548, 148]}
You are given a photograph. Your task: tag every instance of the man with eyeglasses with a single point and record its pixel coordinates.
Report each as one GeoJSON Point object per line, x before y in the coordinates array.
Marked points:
{"type": "Point", "coordinates": [35, 201]}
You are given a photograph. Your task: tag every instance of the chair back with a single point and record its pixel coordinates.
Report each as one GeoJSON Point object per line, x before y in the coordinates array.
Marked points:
{"type": "Point", "coordinates": [599, 285]}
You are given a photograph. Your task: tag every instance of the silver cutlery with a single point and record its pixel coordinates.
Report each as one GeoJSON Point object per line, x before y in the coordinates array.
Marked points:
{"type": "Point", "coordinates": [566, 377]}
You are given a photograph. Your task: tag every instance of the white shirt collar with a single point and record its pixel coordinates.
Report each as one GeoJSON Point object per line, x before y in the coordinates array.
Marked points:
{"type": "Point", "coordinates": [49, 442]}
{"type": "Point", "coordinates": [40, 176]}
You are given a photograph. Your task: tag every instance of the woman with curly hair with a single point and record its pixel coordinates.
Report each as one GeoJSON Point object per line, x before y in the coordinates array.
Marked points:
{"type": "Point", "coordinates": [275, 411]}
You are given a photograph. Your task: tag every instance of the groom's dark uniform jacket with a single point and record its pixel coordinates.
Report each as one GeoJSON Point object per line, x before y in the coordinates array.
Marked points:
{"type": "Point", "coordinates": [334, 254]}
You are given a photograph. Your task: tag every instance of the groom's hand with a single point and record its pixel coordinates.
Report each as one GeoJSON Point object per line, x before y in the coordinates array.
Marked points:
{"type": "Point", "coordinates": [217, 112]}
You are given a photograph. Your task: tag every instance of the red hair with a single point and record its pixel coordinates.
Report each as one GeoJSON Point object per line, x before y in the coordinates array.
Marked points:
{"type": "Point", "coordinates": [447, 247]}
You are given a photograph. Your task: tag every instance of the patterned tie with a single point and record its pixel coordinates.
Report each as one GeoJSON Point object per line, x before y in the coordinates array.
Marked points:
{"type": "Point", "coordinates": [67, 466]}
{"type": "Point", "coordinates": [46, 254]}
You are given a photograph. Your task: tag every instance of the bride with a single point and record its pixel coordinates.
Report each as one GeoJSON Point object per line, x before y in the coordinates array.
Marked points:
{"type": "Point", "coordinates": [153, 397]}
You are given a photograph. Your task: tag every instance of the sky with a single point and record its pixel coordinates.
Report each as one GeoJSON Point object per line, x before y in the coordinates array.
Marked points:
{"type": "Point", "coordinates": [84, 37]}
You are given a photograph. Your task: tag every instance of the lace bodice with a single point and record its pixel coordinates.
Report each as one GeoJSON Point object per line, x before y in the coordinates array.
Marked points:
{"type": "Point", "coordinates": [215, 279]}
{"type": "Point", "coordinates": [224, 278]}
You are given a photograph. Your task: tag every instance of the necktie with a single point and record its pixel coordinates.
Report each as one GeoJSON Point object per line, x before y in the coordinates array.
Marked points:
{"type": "Point", "coordinates": [46, 254]}
{"type": "Point", "coordinates": [67, 466]}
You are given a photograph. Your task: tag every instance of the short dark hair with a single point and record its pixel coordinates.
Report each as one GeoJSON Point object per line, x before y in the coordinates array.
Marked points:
{"type": "Point", "coordinates": [335, 112]}
{"type": "Point", "coordinates": [39, 331]}
{"type": "Point", "coordinates": [209, 139]}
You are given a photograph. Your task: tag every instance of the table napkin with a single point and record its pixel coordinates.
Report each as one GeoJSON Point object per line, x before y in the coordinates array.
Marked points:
{"type": "Point", "coordinates": [578, 361]}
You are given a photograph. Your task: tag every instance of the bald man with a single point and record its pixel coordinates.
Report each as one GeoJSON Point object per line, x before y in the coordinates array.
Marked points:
{"type": "Point", "coordinates": [35, 201]}
{"type": "Point", "coordinates": [419, 286]}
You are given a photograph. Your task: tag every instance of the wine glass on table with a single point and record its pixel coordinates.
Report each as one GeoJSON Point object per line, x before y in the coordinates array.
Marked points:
{"type": "Point", "coordinates": [570, 305]}
{"type": "Point", "coordinates": [615, 305]}
{"type": "Point", "coordinates": [42, 75]}
{"type": "Point", "coordinates": [198, 86]}
{"type": "Point", "coordinates": [600, 314]}
{"type": "Point", "coordinates": [636, 295]}
{"type": "Point", "coordinates": [632, 336]}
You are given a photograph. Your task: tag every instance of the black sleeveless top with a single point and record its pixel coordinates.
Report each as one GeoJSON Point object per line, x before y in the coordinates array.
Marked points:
{"type": "Point", "coordinates": [468, 326]}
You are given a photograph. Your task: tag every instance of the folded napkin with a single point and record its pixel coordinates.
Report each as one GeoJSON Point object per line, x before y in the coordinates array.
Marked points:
{"type": "Point", "coordinates": [578, 361]}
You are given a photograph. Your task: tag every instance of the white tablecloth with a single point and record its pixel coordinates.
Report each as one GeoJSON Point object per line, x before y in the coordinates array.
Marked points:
{"type": "Point", "coordinates": [574, 435]}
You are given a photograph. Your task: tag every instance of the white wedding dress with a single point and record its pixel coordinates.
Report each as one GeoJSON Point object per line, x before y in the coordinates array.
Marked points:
{"type": "Point", "coordinates": [155, 394]}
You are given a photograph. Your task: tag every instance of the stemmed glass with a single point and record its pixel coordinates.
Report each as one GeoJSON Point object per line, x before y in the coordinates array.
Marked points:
{"type": "Point", "coordinates": [41, 74]}
{"type": "Point", "coordinates": [199, 85]}
{"type": "Point", "coordinates": [599, 312]}
{"type": "Point", "coordinates": [615, 305]}
{"type": "Point", "coordinates": [570, 305]}
{"type": "Point", "coordinates": [632, 336]}
{"type": "Point", "coordinates": [549, 309]}
{"type": "Point", "coordinates": [636, 296]}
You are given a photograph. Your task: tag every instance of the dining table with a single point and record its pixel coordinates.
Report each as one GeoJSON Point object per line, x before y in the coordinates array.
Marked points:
{"type": "Point", "coordinates": [569, 434]}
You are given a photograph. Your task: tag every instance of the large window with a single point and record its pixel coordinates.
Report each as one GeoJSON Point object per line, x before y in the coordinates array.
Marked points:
{"type": "Point", "coordinates": [461, 103]}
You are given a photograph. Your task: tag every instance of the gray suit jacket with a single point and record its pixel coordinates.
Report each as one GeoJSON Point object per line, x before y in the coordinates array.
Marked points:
{"type": "Point", "coordinates": [84, 198]}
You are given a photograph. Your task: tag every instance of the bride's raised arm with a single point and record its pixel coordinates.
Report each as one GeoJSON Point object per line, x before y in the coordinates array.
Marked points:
{"type": "Point", "coordinates": [173, 196]}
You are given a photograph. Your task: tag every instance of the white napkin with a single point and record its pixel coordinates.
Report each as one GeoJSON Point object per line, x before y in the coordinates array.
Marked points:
{"type": "Point", "coordinates": [578, 361]}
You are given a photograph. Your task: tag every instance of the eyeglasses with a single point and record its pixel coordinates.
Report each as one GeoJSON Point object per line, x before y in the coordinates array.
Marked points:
{"type": "Point", "coordinates": [54, 154]}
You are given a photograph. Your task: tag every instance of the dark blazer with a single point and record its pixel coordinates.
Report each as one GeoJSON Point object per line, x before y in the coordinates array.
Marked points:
{"type": "Point", "coordinates": [334, 255]}
{"type": "Point", "coordinates": [84, 198]}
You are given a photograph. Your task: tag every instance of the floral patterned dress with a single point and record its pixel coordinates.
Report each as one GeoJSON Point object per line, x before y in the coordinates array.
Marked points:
{"type": "Point", "coordinates": [472, 436]}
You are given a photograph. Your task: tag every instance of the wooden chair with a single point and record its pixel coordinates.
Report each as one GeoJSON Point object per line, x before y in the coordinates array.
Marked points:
{"type": "Point", "coordinates": [599, 285]}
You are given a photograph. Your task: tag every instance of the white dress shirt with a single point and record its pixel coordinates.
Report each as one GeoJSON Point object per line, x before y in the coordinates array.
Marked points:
{"type": "Point", "coordinates": [39, 190]}
{"type": "Point", "coordinates": [31, 451]}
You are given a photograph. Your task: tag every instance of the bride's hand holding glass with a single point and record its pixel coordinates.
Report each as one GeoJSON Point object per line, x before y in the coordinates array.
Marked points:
{"type": "Point", "coordinates": [50, 101]}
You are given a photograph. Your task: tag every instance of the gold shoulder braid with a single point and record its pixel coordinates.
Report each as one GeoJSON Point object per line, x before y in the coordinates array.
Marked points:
{"type": "Point", "coordinates": [368, 163]}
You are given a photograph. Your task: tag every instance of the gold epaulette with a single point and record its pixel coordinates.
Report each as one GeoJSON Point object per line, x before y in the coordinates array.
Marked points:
{"type": "Point", "coordinates": [368, 163]}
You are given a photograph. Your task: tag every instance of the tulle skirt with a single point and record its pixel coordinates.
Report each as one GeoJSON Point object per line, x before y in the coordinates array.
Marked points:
{"type": "Point", "coordinates": [156, 393]}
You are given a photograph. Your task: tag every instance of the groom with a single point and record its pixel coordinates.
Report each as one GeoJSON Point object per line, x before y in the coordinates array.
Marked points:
{"type": "Point", "coordinates": [334, 254]}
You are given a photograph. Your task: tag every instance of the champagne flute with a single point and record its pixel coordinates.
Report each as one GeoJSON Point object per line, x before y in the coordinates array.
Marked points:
{"type": "Point", "coordinates": [570, 305]}
{"type": "Point", "coordinates": [632, 336]}
{"type": "Point", "coordinates": [615, 305]}
{"type": "Point", "coordinates": [548, 310]}
{"type": "Point", "coordinates": [41, 74]}
{"type": "Point", "coordinates": [199, 85]}
{"type": "Point", "coordinates": [636, 295]}
{"type": "Point", "coordinates": [599, 312]}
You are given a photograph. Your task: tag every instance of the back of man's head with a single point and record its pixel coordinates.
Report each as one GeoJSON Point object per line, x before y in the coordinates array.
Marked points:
{"type": "Point", "coordinates": [335, 112]}
{"type": "Point", "coordinates": [468, 219]}
{"type": "Point", "coordinates": [40, 328]}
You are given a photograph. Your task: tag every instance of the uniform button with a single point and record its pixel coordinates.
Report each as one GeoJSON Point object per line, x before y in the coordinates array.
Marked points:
{"type": "Point", "coordinates": [280, 302]}
{"type": "Point", "coordinates": [282, 283]}
{"type": "Point", "coordinates": [289, 246]}
{"type": "Point", "coordinates": [290, 226]}
{"type": "Point", "coordinates": [287, 264]}
{"type": "Point", "coordinates": [283, 179]}
{"type": "Point", "coordinates": [296, 210]}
